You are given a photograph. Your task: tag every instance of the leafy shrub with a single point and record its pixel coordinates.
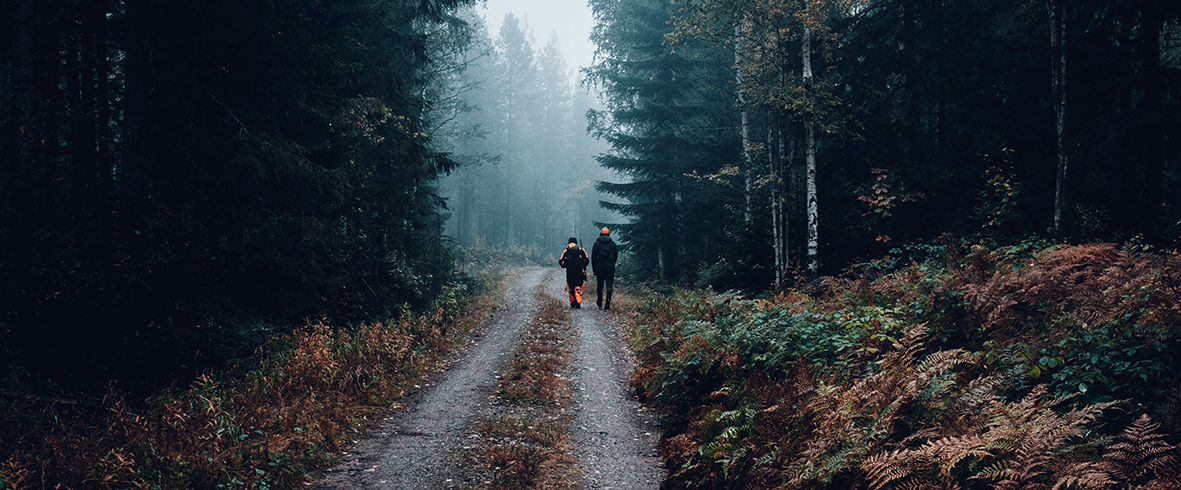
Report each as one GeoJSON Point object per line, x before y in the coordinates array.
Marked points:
{"type": "Point", "coordinates": [963, 367]}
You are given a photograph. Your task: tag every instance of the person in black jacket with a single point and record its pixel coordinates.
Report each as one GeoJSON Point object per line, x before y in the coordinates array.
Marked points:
{"type": "Point", "coordinates": [574, 260]}
{"type": "Point", "coordinates": [603, 256]}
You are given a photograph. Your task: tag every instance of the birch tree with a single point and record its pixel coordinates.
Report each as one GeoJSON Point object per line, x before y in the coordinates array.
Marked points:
{"type": "Point", "coordinates": [810, 158]}
{"type": "Point", "coordinates": [744, 108]}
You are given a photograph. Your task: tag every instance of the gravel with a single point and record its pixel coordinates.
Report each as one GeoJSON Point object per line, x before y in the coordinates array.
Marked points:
{"type": "Point", "coordinates": [409, 449]}
{"type": "Point", "coordinates": [615, 436]}
{"type": "Point", "coordinates": [418, 444]}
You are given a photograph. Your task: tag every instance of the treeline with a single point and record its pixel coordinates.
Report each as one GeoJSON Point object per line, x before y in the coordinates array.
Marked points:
{"type": "Point", "coordinates": [173, 169]}
{"type": "Point", "coordinates": [768, 140]}
{"type": "Point", "coordinates": [518, 127]}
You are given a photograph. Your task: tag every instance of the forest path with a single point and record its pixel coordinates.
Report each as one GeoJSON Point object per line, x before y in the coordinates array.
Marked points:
{"type": "Point", "coordinates": [615, 437]}
{"type": "Point", "coordinates": [411, 448]}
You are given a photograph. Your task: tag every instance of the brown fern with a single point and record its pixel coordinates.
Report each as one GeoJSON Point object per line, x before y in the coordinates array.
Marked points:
{"type": "Point", "coordinates": [853, 424]}
{"type": "Point", "coordinates": [1088, 475]}
{"type": "Point", "coordinates": [1141, 454]}
{"type": "Point", "coordinates": [1021, 445]}
{"type": "Point", "coordinates": [1093, 283]}
{"type": "Point", "coordinates": [1065, 279]}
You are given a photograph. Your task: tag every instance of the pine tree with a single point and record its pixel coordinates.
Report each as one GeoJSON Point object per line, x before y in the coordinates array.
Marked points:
{"type": "Point", "coordinates": [661, 126]}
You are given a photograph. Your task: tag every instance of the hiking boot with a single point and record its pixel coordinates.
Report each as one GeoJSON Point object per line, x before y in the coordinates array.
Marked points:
{"type": "Point", "coordinates": [599, 304]}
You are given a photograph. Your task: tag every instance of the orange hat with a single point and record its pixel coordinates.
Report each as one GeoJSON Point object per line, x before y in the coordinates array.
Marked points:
{"type": "Point", "coordinates": [604, 231]}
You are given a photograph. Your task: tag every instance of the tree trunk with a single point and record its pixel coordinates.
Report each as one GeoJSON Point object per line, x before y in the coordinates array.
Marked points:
{"type": "Point", "coordinates": [103, 108]}
{"type": "Point", "coordinates": [49, 106]}
{"type": "Point", "coordinates": [909, 140]}
{"type": "Point", "coordinates": [133, 166]}
{"type": "Point", "coordinates": [1058, 95]}
{"type": "Point", "coordinates": [660, 262]}
{"type": "Point", "coordinates": [18, 158]}
{"type": "Point", "coordinates": [777, 231]}
{"type": "Point", "coordinates": [810, 149]}
{"type": "Point", "coordinates": [1151, 156]}
{"type": "Point", "coordinates": [84, 103]}
{"type": "Point", "coordinates": [678, 223]}
{"type": "Point", "coordinates": [779, 162]}
{"type": "Point", "coordinates": [747, 157]}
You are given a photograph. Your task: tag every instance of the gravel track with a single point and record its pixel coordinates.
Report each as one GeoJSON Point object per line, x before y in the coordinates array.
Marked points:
{"type": "Point", "coordinates": [615, 436]}
{"type": "Point", "coordinates": [409, 449]}
{"type": "Point", "coordinates": [415, 446]}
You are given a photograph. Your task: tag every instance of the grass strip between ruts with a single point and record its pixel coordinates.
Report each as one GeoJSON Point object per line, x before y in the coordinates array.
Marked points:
{"type": "Point", "coordinates": [524, 440]}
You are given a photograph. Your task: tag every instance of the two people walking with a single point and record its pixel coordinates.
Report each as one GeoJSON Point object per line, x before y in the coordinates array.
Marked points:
{"type": "Point", "coordinates": [602, 261]}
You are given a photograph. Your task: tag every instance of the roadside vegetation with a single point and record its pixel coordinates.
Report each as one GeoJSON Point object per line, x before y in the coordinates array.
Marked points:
{"type": "Point", "coordinates": [949, 366]}
{"type": "Point", "coordinates": [265, 421]}
{"type": "Point", "coordinates": [523, 441]}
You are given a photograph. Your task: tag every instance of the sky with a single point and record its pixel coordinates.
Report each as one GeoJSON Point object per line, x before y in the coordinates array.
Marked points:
{"type": "Point", "coordinates": [570, 18]}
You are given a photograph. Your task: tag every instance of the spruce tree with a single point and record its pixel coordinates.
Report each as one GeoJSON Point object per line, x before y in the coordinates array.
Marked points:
{"type": "Point", "coordinates": [665, 138]}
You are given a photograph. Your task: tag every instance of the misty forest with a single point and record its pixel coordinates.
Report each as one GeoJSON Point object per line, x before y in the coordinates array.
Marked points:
{"type": "Point", "coordinates": [863, 243]}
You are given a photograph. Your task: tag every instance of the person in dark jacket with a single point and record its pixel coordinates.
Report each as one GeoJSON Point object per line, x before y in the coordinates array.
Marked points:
{"type": "Point", "coordinates": [574, 260]}
{"type": "Point", "coordinates": [603, 256]}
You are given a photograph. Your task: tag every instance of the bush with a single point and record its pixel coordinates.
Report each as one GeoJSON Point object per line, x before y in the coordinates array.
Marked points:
{"type": "Point", "coordinates": [962, 366]}
{"type": "Point", "coordinates": [264, 422]}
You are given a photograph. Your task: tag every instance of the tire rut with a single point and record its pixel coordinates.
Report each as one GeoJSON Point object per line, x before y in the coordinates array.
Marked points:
{"type": "Point", "coordinates": [414, 446]}
{"type": "Point", "coordinates": [615, 435]}
{"type": "Point", "coordinates": [410, 447]}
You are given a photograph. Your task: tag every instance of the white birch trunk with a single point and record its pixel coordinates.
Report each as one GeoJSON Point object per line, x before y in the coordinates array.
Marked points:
{"type": "Point", "coordinates": [747, 157]}
{"type": "Point", "coordinates": [787, 196]}
{"type": "Point", "coordinates": [813, 208]}
{"type": "Point", "coordinates": [777, 231]}
{"type": "Point", "coordinates": [810, 152]}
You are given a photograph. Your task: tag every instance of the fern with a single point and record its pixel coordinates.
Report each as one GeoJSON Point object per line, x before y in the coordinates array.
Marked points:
{"type": "Point", "coordinates": [1141, 454]}
{"type": "Point", "coordinates": [1018, 446]}
{"type": "Point", "coordinates": [1087, 476]}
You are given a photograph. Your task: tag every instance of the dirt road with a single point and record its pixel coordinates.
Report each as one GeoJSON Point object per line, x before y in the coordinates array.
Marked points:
{"type": "Point", "coordinates": [412, 447]}
{"type": "Point", "coordinates": [616, 438]}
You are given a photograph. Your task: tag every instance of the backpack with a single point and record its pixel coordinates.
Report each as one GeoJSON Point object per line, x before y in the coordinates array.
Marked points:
{"type": "Point", "coordinates": [574, 260]}
{"type": "Point", "coordinates": [604, 254]}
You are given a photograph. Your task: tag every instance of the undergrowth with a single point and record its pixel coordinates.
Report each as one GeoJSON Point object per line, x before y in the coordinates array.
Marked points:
{"type": "Point", "coordinates": [1032, 366]}
{"type": "Point", "coordinates": [264, 424]}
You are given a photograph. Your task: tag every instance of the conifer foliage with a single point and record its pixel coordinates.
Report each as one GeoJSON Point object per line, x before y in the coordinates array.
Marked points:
{"type": "Point", "coordinates": [170, 168]}
{"type": "Point", "coordinates": [662, 120]}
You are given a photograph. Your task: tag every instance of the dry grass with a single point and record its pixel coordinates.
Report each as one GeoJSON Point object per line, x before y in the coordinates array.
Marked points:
{"type": "Point", "coordinates": [266, 427]}
{"type": "Point", "coordinates": [526, 442]}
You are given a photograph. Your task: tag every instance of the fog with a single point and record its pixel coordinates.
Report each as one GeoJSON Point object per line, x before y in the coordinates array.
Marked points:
{"type": "Point", "coordinates": [570, 19]}
{"type": "Point", "coordinates": [518, 128]}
